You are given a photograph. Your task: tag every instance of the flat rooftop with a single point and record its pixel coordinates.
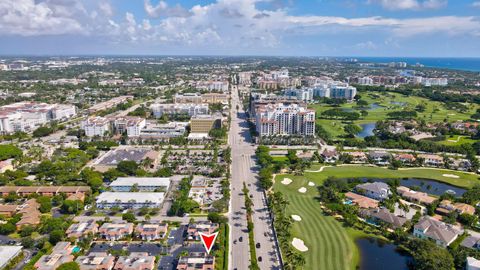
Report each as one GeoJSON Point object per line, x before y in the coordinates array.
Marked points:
{"type": "Point", "coordinates": [141, 181]}
{"type": "Point", "coordinates": [125, 197]}
{"type": "Point", "coordinates": [7, 253]}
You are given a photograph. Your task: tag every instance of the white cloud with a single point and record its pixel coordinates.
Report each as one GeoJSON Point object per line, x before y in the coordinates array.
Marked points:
{"type": "Point", "coordinates": [476, 4]}
{"type": "Point", "coordinates": [106, 8]}
{"type": "Point", "coordinates": [162, 9]}
{"type": "Point", "coordinates": [29, 17]}
{"type": "Point", "coordinates": [410, 4]}
{"type": "Point", "coordinates": [225, 24]}
{"type": "Point", "coordinates": [367, 45]}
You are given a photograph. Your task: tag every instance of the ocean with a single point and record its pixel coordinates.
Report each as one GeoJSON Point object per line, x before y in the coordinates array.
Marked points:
{"type": "Point", "coordinates": [466, 64]}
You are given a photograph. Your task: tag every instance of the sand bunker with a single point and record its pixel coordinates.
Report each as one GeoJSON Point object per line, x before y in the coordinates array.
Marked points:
{"type": "Point", "coordinates": [450, 175]}
{"type": "Point", "coordinates": [296, 218]}
{"type": "Point", "coordinates": [286, 181]}
{"type": "Point", "coordinates": [298, 244]}
{"type": "Point", "coordinates": [302, 190]}
{"type": "Point", "coordinates": [311, 184]}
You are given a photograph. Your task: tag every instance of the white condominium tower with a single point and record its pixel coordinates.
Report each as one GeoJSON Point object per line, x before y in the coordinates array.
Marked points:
{"type": "Point", "coordinates": [280, 119]}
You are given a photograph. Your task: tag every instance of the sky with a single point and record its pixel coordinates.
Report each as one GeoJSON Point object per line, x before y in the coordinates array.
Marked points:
{"type": "Point", "coordinates": [415, 28]}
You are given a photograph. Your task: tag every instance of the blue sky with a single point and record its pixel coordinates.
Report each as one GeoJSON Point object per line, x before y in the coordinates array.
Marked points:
{"type": "Point", "coordinates": [419, 28]}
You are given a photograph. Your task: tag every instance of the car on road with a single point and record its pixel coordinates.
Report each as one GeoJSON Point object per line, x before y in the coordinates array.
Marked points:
{"type": "Point", "coordinates": [260, 258]}
{"type": "Point", "coordinates": [258, 245]}
{"type": "Point", "coordinates": [240, 239]}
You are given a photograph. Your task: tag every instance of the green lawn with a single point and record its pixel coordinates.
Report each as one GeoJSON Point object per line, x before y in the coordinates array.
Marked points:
{"type": "Point", "coordinates": [466, 179]}
{"type": "Point", "coordinates": [332, 246]}
{"type": "Point", "coordinates": [457, 140]}
{"type": "Point", "coordinates": [434, 112]}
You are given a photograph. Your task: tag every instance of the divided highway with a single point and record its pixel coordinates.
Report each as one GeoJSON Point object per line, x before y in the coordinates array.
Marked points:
{"type": "Point", "coordinates": [245, 170]}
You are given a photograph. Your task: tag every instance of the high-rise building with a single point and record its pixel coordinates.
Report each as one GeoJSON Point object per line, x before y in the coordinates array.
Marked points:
{"type": "Point", "coordinates": [281, 119]}
{"type": "Point", "coordinates": [343, 92]}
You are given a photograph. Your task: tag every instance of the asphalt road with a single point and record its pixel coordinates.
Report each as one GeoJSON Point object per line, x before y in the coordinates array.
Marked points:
{"type": "Point", "coordinates": [245, 170]}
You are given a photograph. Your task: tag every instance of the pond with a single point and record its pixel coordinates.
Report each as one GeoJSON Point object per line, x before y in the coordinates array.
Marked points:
{"type": "Point", "coordinates": [427, 186]}
{"type": "Point", "coordinates": [374, 106]}
{"type": "Point", "coordinates": [367, 130]}
{"type": "Point", "coordinates": [398, 103]}
{"type": "Point", "coordinates": [376, 254]}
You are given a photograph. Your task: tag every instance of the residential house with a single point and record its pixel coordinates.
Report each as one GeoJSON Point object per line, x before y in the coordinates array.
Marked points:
{"type": "Point", "coordinates": [406, 159]}
{"type": "Point", "coordinates": [196, 261]}
{"type": "Point", "coordinates": [205, 227]}
{"type": "Point", "coordinates": [446, 206]}
{"type": "Point", "coordinates": [461, 164]}
{"type": "Point", "coordinates": [360, 201]}
{"type": "Point", "coordinates": [432, 160]}
{"type": "Point", "coordinates": [383, 215]}
{"type": "Point", "coordinates": [358, 157]}
{"type": "Point", "coordinates": [96, 261]}
{"type": "Point", "coordinates": [472, 264]}
{"type": "Point", "coordinates": [6, 165]}
{"type": "Point", "coordinates": [116, 231]}
{"type": "Point", "coordinates": [8, 210]}
{"type": "Point", "coordinates": [30, 214]}
{"type": "Point", "coordinates": [381, 158]}
{"type": "Point", "coordinates": [441, 233]}
{"type": "Point", "coordinates": [415, 196]}
{"type": "Point", "coordinates": [79, 230]}
{"type": "Point", "coordinates": [376, 190]}
{"type": "Point", "coordinates": [61, 253]}
{"type": "Point", "coordinates": [330, 156]}
{"type": "Point", "coordinates": [471, 241]}
{"type": "Point", "coordinates": [48, 191]}
{"type": "Point", "coordinates": [151, 231]}
{"type": "Point", "coordinates": [135, 261]}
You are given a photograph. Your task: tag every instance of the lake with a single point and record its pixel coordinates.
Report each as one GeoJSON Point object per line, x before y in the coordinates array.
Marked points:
{"type": "Point", "coordinates": [376, 254]}
{"type": "Point", "coordinates": [427, 186]}
{"type": "Point", "coordinates": [367, 130]}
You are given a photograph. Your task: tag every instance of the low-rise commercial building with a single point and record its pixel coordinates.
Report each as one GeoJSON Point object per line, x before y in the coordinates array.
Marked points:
{"type": "Point", "coordinates": [205, 123]}
{"type": "Point", "coordinates": [137, 154]}
{"type": "Point", "coordinates": [8, 253]}
{"type": "Point", "coordinates": [163, 131]}
{"type": "Point", "coordinates": [28, 116]}
{"type": "Point", "coordinates": [130, 200]}
{"type": "Point", "coordinates": [126, 184]}
{"type": "Point", "coordinates": [190, 109]}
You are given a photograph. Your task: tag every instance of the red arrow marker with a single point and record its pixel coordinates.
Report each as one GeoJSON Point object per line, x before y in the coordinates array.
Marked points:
{"type": "Point", "coordinates": [208, 240]}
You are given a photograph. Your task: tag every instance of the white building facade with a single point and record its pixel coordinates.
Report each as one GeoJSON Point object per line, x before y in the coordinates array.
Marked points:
{"type": "Point", "coordinates": [280, 119]}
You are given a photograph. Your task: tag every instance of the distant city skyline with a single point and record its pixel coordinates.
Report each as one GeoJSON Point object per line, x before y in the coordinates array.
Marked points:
{"type": "Point", "coordinates": [337, 28]}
